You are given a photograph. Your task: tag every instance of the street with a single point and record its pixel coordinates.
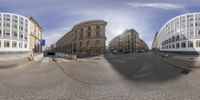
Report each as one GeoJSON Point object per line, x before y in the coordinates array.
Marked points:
{"type": "Point", "coordinates": [135, 76]}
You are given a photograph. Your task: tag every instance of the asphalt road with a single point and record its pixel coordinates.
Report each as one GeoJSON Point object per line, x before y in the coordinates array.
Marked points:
{"type": "Point", "coordinates": [138, 76]}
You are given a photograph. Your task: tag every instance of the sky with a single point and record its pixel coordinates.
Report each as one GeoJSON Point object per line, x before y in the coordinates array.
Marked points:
{"type": "Point", "coordinates": [57, 17]}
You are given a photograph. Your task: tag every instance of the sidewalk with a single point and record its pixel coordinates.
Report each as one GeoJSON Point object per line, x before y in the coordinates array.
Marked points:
{"type": "Point", "coordinates": [185, 62]}
{"type": "Point", "coordinates": [14, 60]}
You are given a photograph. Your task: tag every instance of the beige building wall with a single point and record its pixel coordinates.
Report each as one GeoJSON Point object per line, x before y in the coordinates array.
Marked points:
{"type": "Point", "coordinates": [35, 35]}
{"type": "Point", "coordinates": [125, 42]}
{"type": "Point", "coordinates": [154, 43]}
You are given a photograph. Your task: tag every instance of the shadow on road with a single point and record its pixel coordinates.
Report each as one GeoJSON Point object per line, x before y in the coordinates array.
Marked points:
{"type": "Point", "coordinates": [147, 68]}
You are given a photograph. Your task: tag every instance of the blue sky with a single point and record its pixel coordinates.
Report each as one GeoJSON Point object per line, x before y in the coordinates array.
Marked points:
{"type": "Point", "coordinates": [57, 17]}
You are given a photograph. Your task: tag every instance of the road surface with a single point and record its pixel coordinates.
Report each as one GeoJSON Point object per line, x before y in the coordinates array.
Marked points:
{"type": "Point", "coordinates": [137, 76]}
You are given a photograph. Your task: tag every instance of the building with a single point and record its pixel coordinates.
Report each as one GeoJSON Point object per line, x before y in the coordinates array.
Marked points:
{"type": "Point", "coordinates": [35, 35]}
{"type": "Point", "coordinates": [142, 46]}
{"type": "Point", "coordinates": [180, 34]}
{"type": "Point", "coordinates": [154, 43]}
{"type": "Point", "coordinates": [125, 42]}
{"type": "Point", "coordinates": [86, 38]}
{"type": "Point", "coordinates": [14, 33]}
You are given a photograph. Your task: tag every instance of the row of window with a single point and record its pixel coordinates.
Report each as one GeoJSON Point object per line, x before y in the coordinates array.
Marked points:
{"type": "Point", "coordinates": [190, 44]}
{"type": "Point", "coordinates": [182, 36]}
{"type": "Point", "coordinates": [7, 44]}
{"type": "Point", "coordinates": [15, 26]}
{"type": "Point", "coordinates": [14, 33]}
{"type": "Point", "coordinates": [14, 19]}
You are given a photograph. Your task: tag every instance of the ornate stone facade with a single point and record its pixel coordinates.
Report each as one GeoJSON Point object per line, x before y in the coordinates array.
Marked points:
{"type": "Point", "coordinates": [84, 38]}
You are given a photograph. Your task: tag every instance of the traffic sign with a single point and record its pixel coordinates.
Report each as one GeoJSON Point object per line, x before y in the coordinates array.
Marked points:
{"type": "Point", "coordinates": [42, 42]}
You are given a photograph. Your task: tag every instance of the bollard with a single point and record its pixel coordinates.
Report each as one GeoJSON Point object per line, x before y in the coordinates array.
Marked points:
{"type": "Point", "coordinates": [54, 59]}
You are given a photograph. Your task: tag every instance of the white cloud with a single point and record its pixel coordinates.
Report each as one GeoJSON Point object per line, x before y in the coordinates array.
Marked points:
{"type": "Point", "coordinates": [166, 6]}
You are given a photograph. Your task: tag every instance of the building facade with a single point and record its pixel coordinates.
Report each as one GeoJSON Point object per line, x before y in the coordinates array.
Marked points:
{"type": "Point", "coordinates": [181, 34]}
{"type": "Point", "coordinates": [154, 43]}
{"type": "Point", "coordinates": [14, 32]}
{"type": "Point", "coordinates": [125, 42]}
{"type": "Point", "coordinates": [142, 46]}
{"type": "Point", "coordinates": [35, 35]}
{"type": "Point", "coordinates": [84, 38]}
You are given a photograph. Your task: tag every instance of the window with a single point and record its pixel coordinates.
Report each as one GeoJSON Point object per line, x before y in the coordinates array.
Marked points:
{"type": "Point", "coordinates": [14, 33]}
{"type": "Point", "coordinates": [97, 43]}
{"type": "Point", "coordinates": [170, 46]}
{"type": "Point", "coordinates": [190, 44]}
{"type": "Point", "coordinates": [7, 24]}
{"type": "Point", "coordinates": [25, 45]}
{"type": "Point", "coordinates": [6, 32]}
{"type": "Point", "coordinates": [197, 32]}
{"type": "Point", "coordinates": [14, 44]}
{"type": "Point", "coordinates": [14, 26]}
{"type": "Point", "coordinates": [15, 20]}
{"type": "Point", "coordinates": [21, 28]}
{"type": "Point", "coordinates": [20, 45]}
{"type": "Point", "coordinates": [80, 44]}
{"type": "Point", "coordinates": [177, 38]}
{"type": "Point", "coordinates": [81, 33]}
{"type": "Point", "coordinates": [173, 45]}
{"type": "Point", "coordinates": [190, 33]}
{"type": "Point", "coordinates": [97, 34]}
{"type": "Point", "coordinates": [177, 45]}
{"type": "Point", "coordinates": [6, 44]}
{"type": "Point", "coordinates": [88, 34]}
{"type": "Point", "coordinates": [183, 36]}
{"type": "Point", "coordinates": [198, 43]}
{"type": "Point", "coordinates": [88, 43]}
{"type": "Point", "coordinates": [183, 44]}
{"type": "Point", "coordinates": [89, 28]}
{"type": "Point", "coordinates": [173, 39]}
{"type": "Point", "coordinates": [97, 27]}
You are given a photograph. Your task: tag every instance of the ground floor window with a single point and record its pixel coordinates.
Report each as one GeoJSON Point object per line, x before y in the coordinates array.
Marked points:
{"type": "Point", "coordinates": [14, 44]}
{"type": "Point", "coordinates": [20, 45]}
{"type": "Point", "coordinates": [183, 44]}
{"type": "Point", "coordinates": [25, 45]}
{"type": "Point", "coordinates": [198, 43]}
{"type": "Point", "coordinates": [190, 44]}
{"type": "Point", "coordinates": [177, 45]}
{"type": "Point", "coordinates": [6, 44]}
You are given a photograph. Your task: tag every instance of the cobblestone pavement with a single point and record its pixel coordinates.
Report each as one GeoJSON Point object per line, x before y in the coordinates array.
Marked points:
{"type": "Point", "coordinates": [132, 77]}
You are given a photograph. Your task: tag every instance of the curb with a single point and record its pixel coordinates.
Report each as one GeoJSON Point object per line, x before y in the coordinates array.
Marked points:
{"type": "Point", "coordinates": [174, 64]}
{"type": "Point", "coordinates": [17, 63]}
{"type": "Point", "coordinates": [184, 69]}
{"type": "Point", "coordinates": [7, 66]}
{"type": "Point", "coordinates": [14, 63]}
